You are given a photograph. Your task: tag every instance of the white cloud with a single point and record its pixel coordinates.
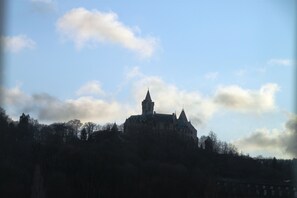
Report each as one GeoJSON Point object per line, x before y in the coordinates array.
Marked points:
{"type": "Point", "coordinates": [90, 89]}
{"type": "Point", "coordinates": [47, 108]}
{"type": "Point", "coordinates": [85, 26]}
{"type": "Point", "coordinates": [17, 43]}
{"type": "Point", "coordinates": [281, 62]}
{"type": "Point", "coordinates": [13, 96]}
{"type": "Point", "coordinates": [211, 75]}
{"type": "Point", "coordinates": [280, 143]}
{"type": "Point", "coordinates": [245, 100]}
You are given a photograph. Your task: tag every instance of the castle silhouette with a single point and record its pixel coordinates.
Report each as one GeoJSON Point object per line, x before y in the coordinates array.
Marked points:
{"type": "Point", "coordinates": [161, 124]}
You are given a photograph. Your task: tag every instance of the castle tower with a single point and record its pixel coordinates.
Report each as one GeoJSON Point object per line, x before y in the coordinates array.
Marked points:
{"type": "Point", "coordinates": [147, 105]}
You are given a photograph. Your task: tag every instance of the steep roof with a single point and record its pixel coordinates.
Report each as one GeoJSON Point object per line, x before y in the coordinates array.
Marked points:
{"type": "Point", "coordinates": [148, 96]}
{"type": "Point", "coordinates": [183, 117]}
{"type": "Point", "coordinates": [163, 117]}
{"type": "Point", "coordinates": [154, 117]}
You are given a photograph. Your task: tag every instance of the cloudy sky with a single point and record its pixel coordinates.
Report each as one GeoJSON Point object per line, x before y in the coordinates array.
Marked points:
{"type": "Point", "coordinates": [229, 64]}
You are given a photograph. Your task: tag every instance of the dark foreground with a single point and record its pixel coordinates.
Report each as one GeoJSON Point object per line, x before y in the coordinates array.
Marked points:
{"type": "Point", "coordinates": [51, 161]}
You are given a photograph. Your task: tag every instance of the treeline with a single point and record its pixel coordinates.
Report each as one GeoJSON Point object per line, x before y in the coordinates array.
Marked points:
{"type": "Point", "coordinates": [87, 160]}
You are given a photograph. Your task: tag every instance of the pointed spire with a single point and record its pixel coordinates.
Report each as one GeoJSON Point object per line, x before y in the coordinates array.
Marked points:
{"type": "Point", "coordinates": [148, 96]}
{"type": "Point", "coordinates": [147, 104]}
{"type": "Point", "coordinates": [182, 116]}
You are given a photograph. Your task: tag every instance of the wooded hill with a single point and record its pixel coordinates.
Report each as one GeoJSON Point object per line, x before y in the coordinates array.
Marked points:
{"type": "Point", "coordinates": [68, 160]}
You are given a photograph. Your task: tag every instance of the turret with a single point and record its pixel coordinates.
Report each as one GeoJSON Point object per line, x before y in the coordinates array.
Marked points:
{"type": "Point", "coordinates": [147, 105]}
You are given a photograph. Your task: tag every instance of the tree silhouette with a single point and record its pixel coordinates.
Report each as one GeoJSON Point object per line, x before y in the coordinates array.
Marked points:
{"type": "Point", "coordinates": [89, 127]}
{"type": "Point", "coordinates": [56, 163]}
{"type": "Point", "coordinates": [83, 134]}
{"type": "Point", "coordinates": [75, 125]}
{"type": "Point", "coordinates": [114, 128]}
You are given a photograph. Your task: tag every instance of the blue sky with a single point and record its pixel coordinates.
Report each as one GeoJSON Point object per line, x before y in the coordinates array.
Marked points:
{"type": "Point", "coordinates": [230, 64]}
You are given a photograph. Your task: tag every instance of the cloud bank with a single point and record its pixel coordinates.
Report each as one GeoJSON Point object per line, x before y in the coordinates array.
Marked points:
{"type": "Point", "coordinates": [17, 43]}
{"type": "Point", "coordinates": [50, 109]}
{"type": "Point", "coordinates": [236, 98]}
{"type": "Point", "coordinates": [278, 142]}
{"type": "Point", "coordinates": [88, 106]}
{"type": "Point", "coordinates": [84, 26]}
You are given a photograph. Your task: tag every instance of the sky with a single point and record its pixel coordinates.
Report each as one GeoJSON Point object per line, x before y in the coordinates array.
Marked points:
{"type": "Point", "coordinates": [229, 64]}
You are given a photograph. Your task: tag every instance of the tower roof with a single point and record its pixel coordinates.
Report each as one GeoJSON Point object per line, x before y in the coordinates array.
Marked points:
{"type": "Point", "coordinates": [183, 117]}
{"type": "Point", "coordinates": [148, 96]}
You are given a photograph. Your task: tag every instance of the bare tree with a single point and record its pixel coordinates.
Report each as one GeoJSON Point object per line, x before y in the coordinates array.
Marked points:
{"type": "Point", "coordinates": [75, 125]}
{"type": "Point", "coordinates": [89, 127]}
{"type": "Point", "coordinates": [214, 139]}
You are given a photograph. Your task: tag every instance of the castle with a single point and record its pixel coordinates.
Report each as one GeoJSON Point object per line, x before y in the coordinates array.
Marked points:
{"type": "Point", "coordinates": [160, 124]}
